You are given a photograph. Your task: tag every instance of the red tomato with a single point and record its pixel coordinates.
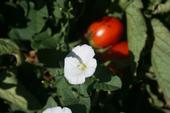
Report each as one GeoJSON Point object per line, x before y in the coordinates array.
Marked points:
{"type": "Point", "coordinates": [120, 49]}
{"type": "Point", "coordinates": [105, 32]}
{"type": "Point", "coordinates": [115, 52]}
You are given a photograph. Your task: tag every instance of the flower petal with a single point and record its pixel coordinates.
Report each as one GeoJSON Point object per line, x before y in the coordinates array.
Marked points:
{"type": "Point", "coordinates": [85, 51]}
{"type": "Point", "coordinates": [53, 110]}
{"type": "Point", "coordinates": [91, 67]}
{"type": "Point", "coordinates": [71, 71]}
{"type": "Point", "coordinates": [76, 80]}
{"type": "Point", "coordinates": [79, 64]}
{"type": "Point", "coordinates": [66, 110]}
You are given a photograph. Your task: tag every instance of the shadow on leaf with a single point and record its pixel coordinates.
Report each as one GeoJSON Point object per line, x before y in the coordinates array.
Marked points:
{"type": "Point", "coordinates": [78, 108]}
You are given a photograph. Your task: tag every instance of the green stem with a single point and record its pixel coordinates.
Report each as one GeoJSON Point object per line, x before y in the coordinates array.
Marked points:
{"type": "Point", "coordinates": [73, 44]}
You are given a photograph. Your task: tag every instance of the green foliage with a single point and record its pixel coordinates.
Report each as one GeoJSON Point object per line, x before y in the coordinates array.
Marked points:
{"type": "Point", "coordinates": [106, 81]}
{"type": "Point", "coordinates": [136, 37]}
{"type": "Point", "coordinates": [112, 85]}
{"type": "Point", "coordinates": [35, 24]}
{"type": "Point", "coordinates": [161, 55]}
{"type": "Point", "coordinates": [50, 103]}
{"type": "Point", "coordinates": [11, 91]}
{"type": "Point", "coordinates": [53, 27]}
{"type": "Point", "coordinates": [8, 47]}
{"type": "Point", "coordinates": [45, 41]}
{"type": "Point", "coordinates": [73, 96]}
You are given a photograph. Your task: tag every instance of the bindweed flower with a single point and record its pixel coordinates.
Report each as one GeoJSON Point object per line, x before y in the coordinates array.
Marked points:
{"type": "Point", "coordinates": [57, 110]}
{"type": "Point", "coordinates": [79, 64]}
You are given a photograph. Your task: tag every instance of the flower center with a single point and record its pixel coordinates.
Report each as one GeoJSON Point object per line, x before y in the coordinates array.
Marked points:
{"type": "Point", "coordinates": [82, 67]}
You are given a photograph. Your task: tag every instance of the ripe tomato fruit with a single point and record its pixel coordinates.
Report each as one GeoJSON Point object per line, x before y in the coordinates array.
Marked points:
{"type": "Point", "coordinates": [105, 32]}
{"type": "Point", "coordinates": [115, 52]}
{"type": "Point", "coordinates": [120, 49]}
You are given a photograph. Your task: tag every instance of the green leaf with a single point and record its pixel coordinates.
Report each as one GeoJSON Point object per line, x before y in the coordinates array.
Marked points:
{"type": "Point", "coordinates": [9, 47]}
{"type": "Point", "coordinates": [155, 1]}
{"type": "Point", "coordinates": [162, 8]}
{"type": "Point", "coordinates": [112, 85]}
{"type": "Point", "coordinates": [59, 5]}
{"type": "Point", "coordinates": [35, 24]}
{"type": "Point", "coordinates": [45, 41]}
{"type": "Point", "coordinates": [103, 74]}
{"type": "Point", "coordinates": [14, 93]}
{"type": "Point", "coordinates": [106, 81]}
{"type": "Point", "coordinates": [136, 28]}
{"type": "Point", "coordinates": [66, 95]}
{"type": "Point", "coordinates": [25, 5]}
{"type": "Point", "coordinates": [153, 4]}
{"type": "Point", "coordinates": [50, 103]}
{"type": "Point", "coordinates": [83, 96]}
{"type": "Point", "coordinates": [161, 55]}
{"type": "Point", "coordinates": [39, 3]}
{"type": "Point", "coordinates": [72, 95]}
{"type": "Point", "coordinates": [153, 97]}
{"type": "Point", "coordinates": [124, 3]}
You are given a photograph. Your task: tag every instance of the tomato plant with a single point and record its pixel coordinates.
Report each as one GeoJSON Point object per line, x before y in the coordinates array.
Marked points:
{"type": "Point", "coordinates": [45, 62]}
{"type": "Point", "coordinates": [105, 32]}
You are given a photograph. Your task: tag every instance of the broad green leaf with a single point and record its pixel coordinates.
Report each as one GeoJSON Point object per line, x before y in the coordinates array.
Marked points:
{"type": "Point", "coordinates": [161, 55]}
{"type": "Point", "coordinates": [14, 93]}
{"type": "Point", "coordinates": [9, 47]}
{"type": "Point", "coordinates": [50, 103]}
{"type": "Point", "coordinates": [56, 71]}
{"type": "Point", "coordinates": [83, 96]}
{"type": "Point", "coordinates": [71, 95]}
{"type": "Point", "coordinates": [136, 28]}
{"type": "Point", "coordinates": [153, 4]}
{"type": "Point", "coordinates": [59, 5]}
{"type": "Point", "coordinates": [155, 1]}
{"type": "Point", "coordinates": [112, 85]}
{"type": "Point", "coordinates": [106, 81]}
{"type": "Point", "coordinates": [124, 3]}
{"type": "Point", "coordinates": [162, 8]}
{"type": "Point", "coordinates": [35, 24]}
{"type": "Point", "coordinates": [45, 41]}
{"type": "Point", "coordinates": [65, 93]}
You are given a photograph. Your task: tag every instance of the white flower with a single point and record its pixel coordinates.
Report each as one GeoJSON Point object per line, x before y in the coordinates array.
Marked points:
{"type": "Point", "coordinates": [57, 110]}
{"type": "Point", "coordinates": [79, 64]}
